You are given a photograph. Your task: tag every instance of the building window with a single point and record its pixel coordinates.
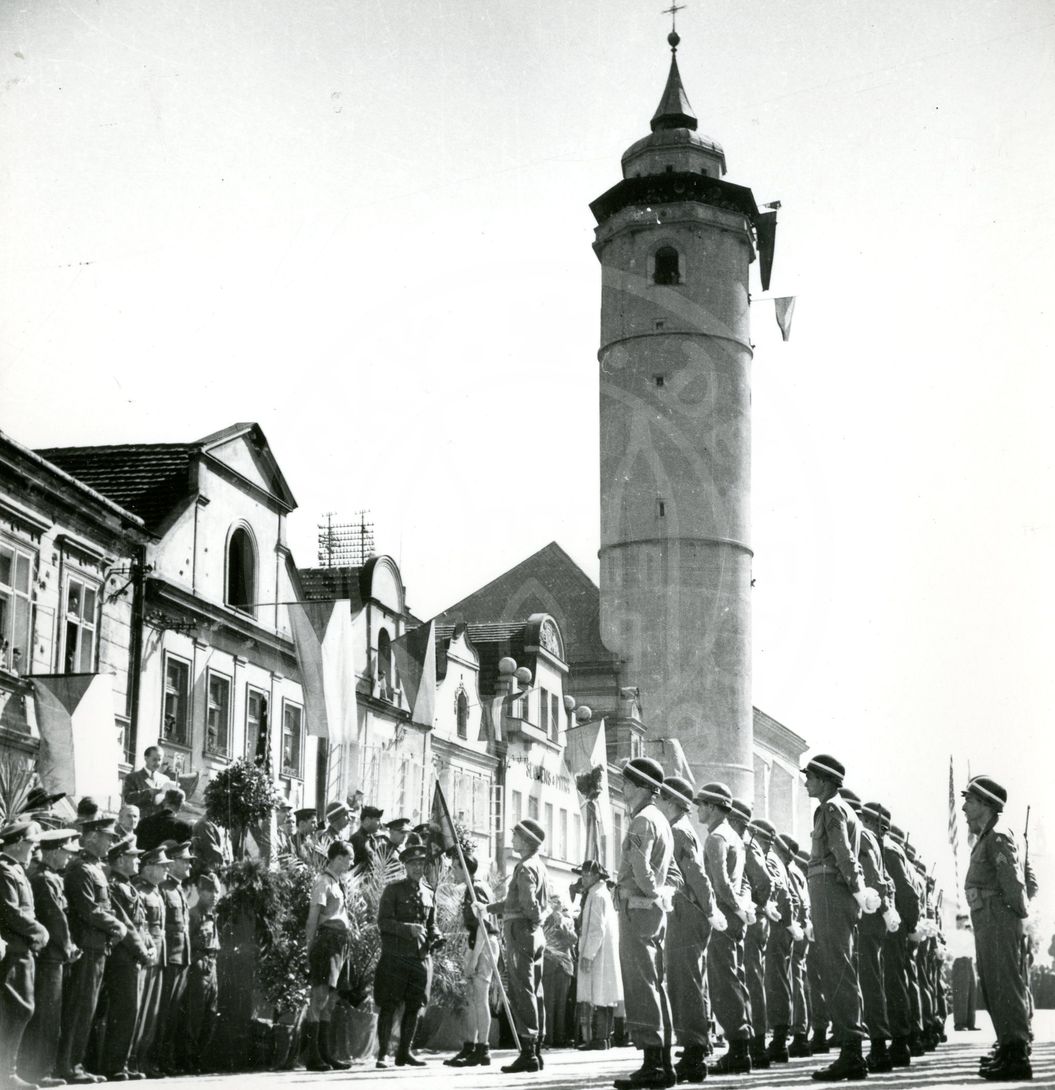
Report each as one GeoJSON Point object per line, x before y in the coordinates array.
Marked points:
{"type": "Point", "coordinates": [385, 680]}
{"type": "Point", "coordinates": [659, 380]}
{"type": "Point", "coordinates": [533, 807]}
{"type": "Point", "coordinates": [543, 711]}
{"type": "Point", "coordinates": [576, 838]}
{"type": "Point", "coordinates": [562, 834]}
{"type": "Point", "coordinates": [554, 717]}
{"type": "Point", "coordinates": [256, 740]}
{"type": "Point", "coordinates": [79, 634]}
{"type": "Point", "coordinates": [176, 723]}
{"type": "Point", "coordinates": [518, 807]}
{"type": "Point", "coordinates": [667, 269]}
{"type": "Point", "coordinates": [241, 571]}
{"type": "Point", "coordinates": [463, 716]}
{"type": "Point", "coordinates": [292, 739]}
{"type": "Point", "coordinates": [548, 825]}
{"type": "Point", "coordinates": [218, 715]}
{"type": "Point", "coordinates": [615, 850]}
{"type": "Point", "coordinates": [15, 609]}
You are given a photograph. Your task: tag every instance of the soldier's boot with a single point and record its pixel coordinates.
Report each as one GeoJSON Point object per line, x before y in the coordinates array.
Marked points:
{"type": "Point", "coordinates": [914, 1044]}
{"type": "Point", "coordinates": [538, 1052]}
{"type": "Point", "coordinates": [670, 1078]}
{"type": "Point", "coordinates": [1013, 1064]}
{"type": "Point", "coordinates": [480, 1056]}
{"type": "Point", "coordinates": [526, 1061]}
{"type": "Point", "coordinates": [384, 1037]}
{"type": "Point", "coordinates": [459, 1058]}
{"type": "Point", "coordinates": [651, 1075]}
{"type": "Point", "coordinates": [819, 1041]}
{"type": "Point", "coordinates": [800, 1046]}
{"type": "Point", "coordinates": [310, 1053]}
{"type": "Point", "coordinates": [849, 1065]}
{"type": "Point", "coordinates": [778, 1047]}
{"type": "Point", "coordinates": [900, 1056]}
{"type": "Point", "coordinates": [759, 1056]}
{"type": "Point", "coordinates": [408, 1026]}
{"type": "Point", "coordinates": [995, 1055]}
{"type": "Point", "coordinates": [929, 1041]}
{"type": "Point", "coordinates": [737, 1061]}
{"type": "Point", "coordinates": [328, 1046]}
{"type": "Point", "coordinates": [879, 1059]}
{"type": "Point", "coordinates": [619, 1036]}
{"type": "Point", "coordinates": [692, 1067]}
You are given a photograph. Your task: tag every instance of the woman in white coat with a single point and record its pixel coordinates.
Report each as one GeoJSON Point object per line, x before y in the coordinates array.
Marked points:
{"type": "Point", "coordinates": [600, 983]}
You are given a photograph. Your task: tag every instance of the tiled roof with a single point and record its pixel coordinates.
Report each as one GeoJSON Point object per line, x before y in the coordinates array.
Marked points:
{"type": "Point", "coordinates": [492, 641]}
{"type": "Point", "coordinates": [326, 584]}
{"type": "Point", "coordinates": [148, 479]}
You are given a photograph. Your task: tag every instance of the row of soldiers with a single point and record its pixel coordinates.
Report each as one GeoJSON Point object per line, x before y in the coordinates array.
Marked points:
{"type": "Point", "coordinates": [108, 973]}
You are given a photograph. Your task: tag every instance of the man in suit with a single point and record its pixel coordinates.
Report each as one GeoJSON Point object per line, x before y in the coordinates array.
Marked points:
{"type": "Point", "coordinates": [166, 824]}
{"type": "Point", "coordinates": [145, 787]}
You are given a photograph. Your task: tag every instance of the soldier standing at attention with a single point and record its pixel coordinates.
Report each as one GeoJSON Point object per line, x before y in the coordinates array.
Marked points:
{"type": "Point", "coordinates": [643, 899]}
{"type": "Point", "coordinates": [837, 899]}
{"type": "Point", "coordinates": [201, 994]}
{"type": "Point", "coordinates": [723, 857]}
{"type": "Point", "coordinates": [787, 849]}
{"type": "Point", "coordinates": [895, 945]}
{"type": "Point", "coordinates": [689, 926]}
{"type": "Point", "coordinates": [177, 956]}
{"type": "Point", "coordinates": [41, 1043]}
{"type": "Point", "coordinates": [523, 910]}
{"type": "Point", "coordinates": [95, 929]}
{"type": "Point", "coordinates": [126, 963]}
{"type": "Point", "coordinates": [996, 895]}
{"type": "Point", "coordinates": [23, 936]}
{"type": "Point", "coordinates": [153, 870]}
{"type": "Point", "coordinates": [406, 919]}
{"type": "Point", "coordinates": [365, 839]}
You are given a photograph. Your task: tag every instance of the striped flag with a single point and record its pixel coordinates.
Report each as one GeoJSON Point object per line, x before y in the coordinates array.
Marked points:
{"type": "Point", "coordinates": [414, 655]}
{"type": "Point", "coordinates": [954, 836]}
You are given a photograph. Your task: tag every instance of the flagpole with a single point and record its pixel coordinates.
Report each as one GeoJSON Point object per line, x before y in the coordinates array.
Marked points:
{"type": "Point", "coordinates": [476, 904]}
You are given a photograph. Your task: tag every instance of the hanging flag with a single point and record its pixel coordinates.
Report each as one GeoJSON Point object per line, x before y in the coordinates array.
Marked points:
{"type": "Point", "coordinates": [440, 819]}
{"type": "Point", "coordinates": [954, 837]}
{"type": "Point", "coordinates": [766, 230]}
{"type": "Point", "coordinates": [414, 655]}
{"type": "Point", "coordinates": [784, 309]}
{"type": "Point", "coordinates": [586, 755]}
{"type": "Point", "coordinates": [79, 750]}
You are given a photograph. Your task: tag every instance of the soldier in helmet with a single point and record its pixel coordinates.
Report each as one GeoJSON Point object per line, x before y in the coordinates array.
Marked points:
{"type": "Point", "coordinates": [787, 849]}
{"type": "Point", "coordinates": [896, 976]}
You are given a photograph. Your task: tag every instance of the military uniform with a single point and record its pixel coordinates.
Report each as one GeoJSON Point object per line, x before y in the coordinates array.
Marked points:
{"type": "Point", "coordinates": [872, 932]}
{"type": "Point", "coordinates": [201, 993]}
{"type": "Point", "coordinates": [526, 904]}
{"type": "Point", "coordinates": [895, 947]}
{"type": "Point", "coordinates": [783, 905]}
{"type": "Point", "coordinates": [145, 1034]}
{"type": "Point", "coordinates": [23, 936]}
{"type": "Point", "coordinates": [800, 1009]}
{"type": "Point", "coordinates": [365, 846]}
{"type": "Point", "coordinates": [174, 974]}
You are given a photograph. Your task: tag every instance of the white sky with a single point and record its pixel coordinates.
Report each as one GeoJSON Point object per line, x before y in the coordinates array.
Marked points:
{"type": "Point", "coordinates": [365, 226]}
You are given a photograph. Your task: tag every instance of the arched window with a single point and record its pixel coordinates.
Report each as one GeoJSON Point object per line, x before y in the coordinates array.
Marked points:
{"type": "Point", "coordinates": [463, 716]}
{"type": "Point", "coordinates": [241, 571]}
{"type": "Point", "coordinates": [667, 269]}
{"type": "Point", "coordinates": [385, 679]}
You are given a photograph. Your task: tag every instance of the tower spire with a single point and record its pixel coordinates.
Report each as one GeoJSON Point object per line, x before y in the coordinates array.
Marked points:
{"type": "Point", "coordinates": [674, 111]}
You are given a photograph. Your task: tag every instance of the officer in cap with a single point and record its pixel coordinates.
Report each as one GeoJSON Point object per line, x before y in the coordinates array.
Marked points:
{"type": "Point", "coordinates": [689, 925]}
{"type": "Point", "coordinates": [523, 910]}
{"type": "Point", "coordinates": [723, 857]}
{"type": "Point", "coordinates": [996, 896]}
{"type": "Point", "coordinates": [896, 977]}
{"type": "Point", "coordinates": [153, 870]}
{"type": "Point", "coordinates": [397, 830]}
{"type": "Point", "coordinates": [787, 848]}
{"type": "Point", "coordinates": [23, 936]}
{"type": "Point", "coordinates": [95, 928]}
{"type": "Point", "coordinates": [127, 961]}
{"type": "Point", "coordinates": [365, 839]}
{"type": "Point", "coordinates": [177, 955]}
{"type": "Point", "coordinates": [40, 1045]}
{"type": "Point", "coordinates": [643, 898]}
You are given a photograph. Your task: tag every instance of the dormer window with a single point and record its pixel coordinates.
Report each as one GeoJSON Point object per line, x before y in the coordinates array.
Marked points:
{"type": "Point", "coordinates": [241, 571]}
{"type": "Point", "coordinates": [668, 266]}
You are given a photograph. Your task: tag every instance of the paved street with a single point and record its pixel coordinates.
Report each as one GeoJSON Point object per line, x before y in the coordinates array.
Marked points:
{"type": "Point", "coordinates": [954, 1064]}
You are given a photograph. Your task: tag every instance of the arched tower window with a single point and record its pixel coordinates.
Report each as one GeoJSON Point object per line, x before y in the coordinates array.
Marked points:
{"type": "Point", "coordinates": [241, 571]}
{"type": "Point", "coordinates": [668, 266]}
{"type": "Point", "coordinates": [463, 716]}
{"type": "Point", "coordinates": [384, 663]}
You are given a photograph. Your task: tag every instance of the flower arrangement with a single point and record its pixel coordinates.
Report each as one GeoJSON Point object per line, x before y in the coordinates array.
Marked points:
{"type": "Point", "coordinates": [241, 797]}
{"type": "Point", "coordinates": [589, 784]}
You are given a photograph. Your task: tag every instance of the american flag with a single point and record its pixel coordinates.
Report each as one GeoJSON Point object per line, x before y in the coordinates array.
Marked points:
{"type": "Point", "coordinates": [954, 833]}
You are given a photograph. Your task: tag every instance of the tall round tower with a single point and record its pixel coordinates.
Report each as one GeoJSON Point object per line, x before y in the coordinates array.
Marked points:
{"type": "Point", "coordinates": [675, 244]}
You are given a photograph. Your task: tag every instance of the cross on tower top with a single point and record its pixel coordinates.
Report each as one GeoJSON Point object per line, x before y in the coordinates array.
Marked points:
{"type": "Point", "coordinates": [673, 37]}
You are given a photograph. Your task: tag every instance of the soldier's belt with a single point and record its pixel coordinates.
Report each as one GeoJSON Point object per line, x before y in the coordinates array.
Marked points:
{"type": "Point", "coordinates": [976, 895]}
{"type": "Point", "coordinates": [821, 868]}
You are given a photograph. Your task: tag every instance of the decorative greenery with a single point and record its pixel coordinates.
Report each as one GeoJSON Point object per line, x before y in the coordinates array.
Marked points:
{"type": "Point", "coordinates": [17, 773]}
{"type": "Point", "coordinates": [239, 797]}
{"type": "Point", "coordinates": [589, 784]}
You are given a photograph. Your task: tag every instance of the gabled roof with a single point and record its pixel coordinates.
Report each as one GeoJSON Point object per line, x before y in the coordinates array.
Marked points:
{"type": "Point", "coordinates": [491, 642]}
{"type": "Point", "coordinates": [152, 479]}
{"type": "Point", "coordinates": [548, 581]}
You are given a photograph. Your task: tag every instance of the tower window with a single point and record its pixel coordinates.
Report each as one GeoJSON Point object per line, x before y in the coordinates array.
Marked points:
{"type": "Point", "coordinates": [659, 380]}
{"type": "Point", "coordinates": [667, 266]}
{"type": "Point", "coordinates": [661, 507]}
{"type": "Point", "coordinates": [241, 571]}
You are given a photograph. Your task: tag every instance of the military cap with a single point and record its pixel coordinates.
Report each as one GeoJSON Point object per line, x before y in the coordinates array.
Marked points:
{"type": "Point", "coordinates": [399, 825]}
{"type": "Point", "coordinates": [644, 772]}
{"type": "Point", "coordinates": [335, 809]}
{"type": "Point", "coordinates": [802, 859]}
{"type": "Point", "coordinates": [371, 812]}
{"type": "Point", "coordinates": [531, 829]}
{"type": "Point", "coordinates": [896, 834]}
{"type": "Point", "coordinates": [877, 811]}
{"type": "Point", "coordinates": [285, 805]}
{"type": "Point", "coordinates": [175, 850]}
{"type": "Point", "coordinates": [156, 856]}
{"type": "Point", "coordinates": [827, 766]}
{"type": "Point", "coordinates": [679, 789]}
{"type": "Point", "coordinates": [987, 790]}
{"type": "Point", "coordinates": [910, 851]}
{"type": "Point", "coordinates": [15, 831]}
{"type": "Point", "coordinates": [207, 880]}
{"type": "Point", "coordinates": [741, 807]}
{"type": "Point", "coordinates": [127, 846]}
{"type": "Point", "coordinates": [763, 828]}
{"type": "Point", "coordinates": [413, 852]}
{"type": "Point", "coordinates": [99, 825]}
{"type": "Point", "coordinates": [788, 843]}
{"type": "Point", "coordinates": [39, 799]}
{"type": "Point", "coordinates": [852, 798]}
{"type": "Point", "coordinates": [50, 839]}
{"type": "Point", "coordinates": [717, 793]}
{"type": "Point", "coordinates": [424, 829]}
{"type": "Point", "coordinates": [306, 812]}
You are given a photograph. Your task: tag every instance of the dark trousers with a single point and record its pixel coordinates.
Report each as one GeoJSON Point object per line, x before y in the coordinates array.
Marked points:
{"type": "Point", "coordinates": [964, 1000]}
{"type": "Point", "coordinates": [926, 989]}
{"type": "Point", "coordinates": [642, 934]}
{"type": "Point", "coordinates": [778, 979]}
{"type": "Point", "coordinates": [688, 934]}
{"type": "Point", "coordinates": [124, 990]}
{"type": "Point", "coordinates": [200, 1009]}
{"type": "Point", "coordinates": [145, 1034]}
{"type": "Point", "coordinates": [556, 986]}
{"type": "Point", "coordinates": [998, 948]}
{"type": "Point", "coordinates": [873, 982]}
{"type": "Point", "coordinates": [169, 1021]}
{"type": "Point", "coordinates": [725, 978]}
{"type": "Point", "coordinates": [80, 997]}
{"type": "Point", "coordinates": [755, 939]}
{"type": "Point", "coordinates": [912, 979]}
{"type": "Point", "coordinates": [815, 983]}
{"type": "Point", "coordinates": [524, 947]}
{"type": "Point", "coordinates": [896, 983]}
{"type": "Point", "coordinates": [800, 989]}
{"type": "Point", "coordinates": [835, 915]}
{"type": "Point", "coordinates": [17, 979]}
{"type": "Point", "coordinates": [40, 1045]}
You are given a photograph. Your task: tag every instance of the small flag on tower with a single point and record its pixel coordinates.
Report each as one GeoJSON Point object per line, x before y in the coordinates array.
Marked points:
{"type": "Point", "coordinates": [784, 308]}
